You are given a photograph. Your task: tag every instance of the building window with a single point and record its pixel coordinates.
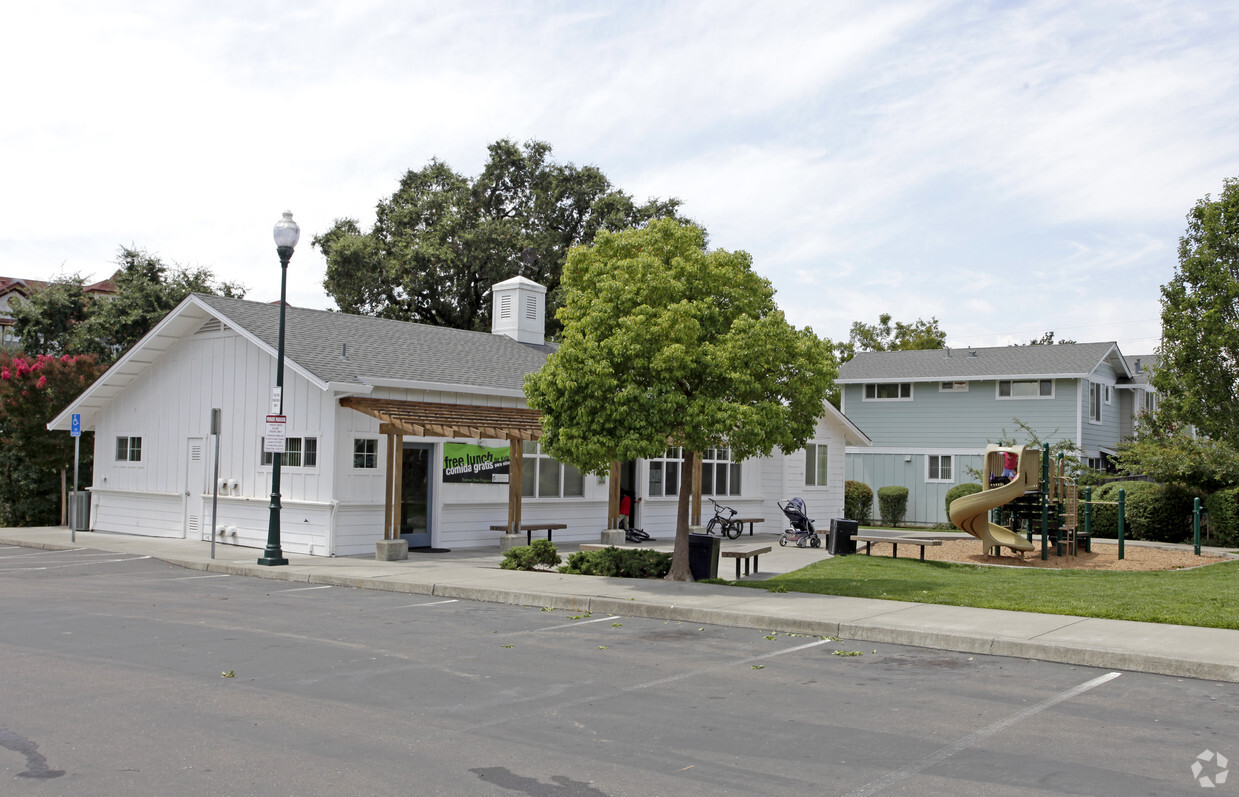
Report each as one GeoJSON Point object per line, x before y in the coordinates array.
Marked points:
{"type": "Point", "coordinates": [299, 452]}
{"type": "Point", "coordinates": [1094, 402]}
{"type": "Point", "coordinates": [665, 474]}
{"type": "Point", "coordinates": [939, 468]}
{"type": "Point", "coordinates": [1109, 395]}
{"type": "Point", "coordinates": [815, 459]}
{"type": "Point", "coordinates": [1150, 402]}
{"type": "Point", "coordinates": [953, 387]}
{"type": "Point", "coordinates": [128, 449]}
{"type": "Point", "coordinates": [888, 391]}
{"type": "Point", "coordinates": [719, 475]}
{"type": "Point", "coordinates": [545, 477]}
{"type": "Point", "coordinates": [366, 453]}
{"type": "Point", "coordinates": [1096, 463]}
{"type": "Point", "coordinates": [1025, 388]}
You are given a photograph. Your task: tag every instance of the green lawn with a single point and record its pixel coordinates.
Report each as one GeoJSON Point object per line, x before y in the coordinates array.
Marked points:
{"type": "Point", "coordinates": [1204, 596]}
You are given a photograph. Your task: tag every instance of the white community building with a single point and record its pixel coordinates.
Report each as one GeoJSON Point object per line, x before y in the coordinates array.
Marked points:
{"type": "Point", "coordinates": [393, 430]}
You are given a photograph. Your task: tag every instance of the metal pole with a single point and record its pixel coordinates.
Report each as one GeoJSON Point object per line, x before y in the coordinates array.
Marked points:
{"type": "Point", "coordinates": [1196, 525]}
{"type": "Point", "coordinates": [273, 555]}
{"type": "Point", "coordinates": [77, 457]}
{"type": "Point", "coordinates": [1045, 500]}
{"type": "Point", "coordinates": [215, 419]}
{"type": "Point", "coordinates": [1122, 494]}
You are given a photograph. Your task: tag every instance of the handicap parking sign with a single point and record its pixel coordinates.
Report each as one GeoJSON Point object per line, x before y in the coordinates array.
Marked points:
{"type": "Point", "coordinates": [75, 425]}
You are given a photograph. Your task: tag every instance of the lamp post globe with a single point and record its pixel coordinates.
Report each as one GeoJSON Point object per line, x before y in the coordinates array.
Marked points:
{"type": "Point", "coordinates": [286, 233]}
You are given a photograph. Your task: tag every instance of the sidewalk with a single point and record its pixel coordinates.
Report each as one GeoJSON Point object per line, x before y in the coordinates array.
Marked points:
{"type": "Point", "coordinates": [1205, 653]}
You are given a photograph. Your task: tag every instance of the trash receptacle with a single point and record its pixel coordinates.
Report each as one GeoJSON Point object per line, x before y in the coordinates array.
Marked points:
{"type": "Point", "coordinates": [841, 542]}
{"type": "Point", "coordinates": [79, 510]}
{"type": "Point", "coordinates": [703, 556]}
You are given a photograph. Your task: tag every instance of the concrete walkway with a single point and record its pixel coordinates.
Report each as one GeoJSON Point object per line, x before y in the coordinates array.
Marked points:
{"type": "Point", "coordinates": [1206, 653]}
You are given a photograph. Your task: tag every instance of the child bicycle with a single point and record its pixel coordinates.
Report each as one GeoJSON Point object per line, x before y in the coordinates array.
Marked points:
{"type": "Point", "coordinates": [726, 526]}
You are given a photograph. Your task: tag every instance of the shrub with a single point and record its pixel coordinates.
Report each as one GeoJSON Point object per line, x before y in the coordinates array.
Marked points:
{"type": "Point", "coordinates": [541, 554]}
{"type": "Point", "coordinates": [619, 563]}
{"type": "Point", "coordinates": [1223, 509]}
{"type": "Point", "coordinates": [1162, 513]}
{"type": "Point", "coordinates": [892, 504]}
{"type": "Point", "coordinates": [858, 502]}
{"type": "Point", "coordinates": [959, 491]}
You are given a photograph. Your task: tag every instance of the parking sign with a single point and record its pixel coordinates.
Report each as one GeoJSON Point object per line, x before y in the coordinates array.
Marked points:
{"type": "Point", "coordinates": [75, 425]}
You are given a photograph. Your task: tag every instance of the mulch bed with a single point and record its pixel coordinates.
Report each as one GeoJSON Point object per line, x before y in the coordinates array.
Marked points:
{"type": "Point", "coordinates": [1104, 556]}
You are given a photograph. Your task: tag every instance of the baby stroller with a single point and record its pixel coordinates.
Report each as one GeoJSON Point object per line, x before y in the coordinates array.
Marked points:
{"type": "Point", "coordinates": [802, 532]}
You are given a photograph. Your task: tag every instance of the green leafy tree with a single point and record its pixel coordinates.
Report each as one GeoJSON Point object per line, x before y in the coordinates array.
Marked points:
{"type": "Point", "coordinates": [146, 291]}
{"type": "Point", "coordinates": [1047, 340]}
{"type": "Point", "coordinates": [33, 390]}
{"type": "Point", "coordinates": [442, 239]}
{"type": "Point", "coordinates": [1169, 453]}
{"type": "Point", "coordinates": [1198, 375]}
{"type": "Point", "coordinates": [64, 319]}
{"type": "Point", "coordinates": [664, 344]}
{"type": "Point", "coordinates": [882, 336]}
{"type": "Point", "coordinates": [50, 320]}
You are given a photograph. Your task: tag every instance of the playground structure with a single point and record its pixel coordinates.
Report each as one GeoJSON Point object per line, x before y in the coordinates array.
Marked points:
{"type": "Point", "coordinates": [1040, 495]}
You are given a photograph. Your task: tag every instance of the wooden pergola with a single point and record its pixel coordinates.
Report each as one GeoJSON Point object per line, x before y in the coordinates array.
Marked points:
{"type": "Point", "coordinates": [398, 418]}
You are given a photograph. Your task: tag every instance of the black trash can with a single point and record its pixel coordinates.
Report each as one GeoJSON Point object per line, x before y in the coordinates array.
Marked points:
{"type": "Point", "coordinates": [840, 542]}
{"type": "Point", "coordinates": [703, 555]}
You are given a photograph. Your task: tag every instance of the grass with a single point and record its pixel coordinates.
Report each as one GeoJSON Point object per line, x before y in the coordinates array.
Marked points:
{"type": "Point", "coordinates": [1203, 596]}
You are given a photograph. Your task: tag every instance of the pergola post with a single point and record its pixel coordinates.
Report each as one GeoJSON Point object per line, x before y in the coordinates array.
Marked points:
{"type": "Point", "coordinates": [389, 482]}
{"type": "Point", "coordinates": [516, 468]}
{"type": "Point", "coordinates": [397, 485]}
{"type": "Point", "coordinates": [613, 498]}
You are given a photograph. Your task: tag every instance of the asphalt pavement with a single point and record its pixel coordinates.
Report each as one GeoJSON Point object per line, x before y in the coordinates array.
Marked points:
{"type": "Point", "coordinates": [1184, 651]}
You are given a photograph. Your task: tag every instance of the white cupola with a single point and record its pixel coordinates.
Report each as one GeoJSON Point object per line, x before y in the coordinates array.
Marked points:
{"type": "Point", "coordinates": [519, 310]}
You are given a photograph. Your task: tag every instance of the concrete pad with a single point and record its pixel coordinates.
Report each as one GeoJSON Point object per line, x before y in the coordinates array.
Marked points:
{"type": "Point", "coordinates": [391, 550]}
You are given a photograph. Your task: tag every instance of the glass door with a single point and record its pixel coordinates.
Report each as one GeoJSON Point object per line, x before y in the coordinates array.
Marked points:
{"type": "Point", "coordinates": [415, 494]}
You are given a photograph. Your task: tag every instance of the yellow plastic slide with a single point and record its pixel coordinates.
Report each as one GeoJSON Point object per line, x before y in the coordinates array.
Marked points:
{"type": "Point", "coordinates": [971, 512]}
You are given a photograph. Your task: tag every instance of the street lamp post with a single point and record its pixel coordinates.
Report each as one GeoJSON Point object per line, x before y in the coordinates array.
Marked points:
{"type": "Point", "coordinates": [286, 234]}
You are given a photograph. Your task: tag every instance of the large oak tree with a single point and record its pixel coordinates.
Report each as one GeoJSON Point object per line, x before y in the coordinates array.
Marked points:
{"type": "Point", "coordinates": [442, 239]}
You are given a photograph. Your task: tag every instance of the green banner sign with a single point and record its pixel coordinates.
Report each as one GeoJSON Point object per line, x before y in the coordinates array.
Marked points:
{"type": "Point", "coordinates": [466, 463]}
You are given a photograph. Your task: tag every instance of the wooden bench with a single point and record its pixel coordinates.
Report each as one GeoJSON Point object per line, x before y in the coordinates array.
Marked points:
{"type": "Point", "coordinates": [895, 543]}
{"type": "Point", "coordinates": [750, 521]}
{"type": "Point", "coordinates": [745, 553]}
{"type": "Point", "coordinates": [530, 528]}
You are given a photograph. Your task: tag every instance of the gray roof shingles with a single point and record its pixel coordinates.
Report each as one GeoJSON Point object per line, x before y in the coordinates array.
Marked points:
{"type": "Point", "coordinates": [379, 348]}
{"type": "Point", "coordinates": [1064, 359]}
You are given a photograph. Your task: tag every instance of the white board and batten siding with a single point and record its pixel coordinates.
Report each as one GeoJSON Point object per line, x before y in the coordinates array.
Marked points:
{"type": "Point", "coordinates": [169, 406]}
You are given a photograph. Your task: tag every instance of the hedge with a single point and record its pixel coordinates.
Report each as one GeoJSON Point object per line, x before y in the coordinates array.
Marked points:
{"type": "Point", "coordinates": [858, 502]}
{"type": "Point", "coordinates": [1223, 509]}
{"type": "Point", "coordinates": [892, 504]}
{"type": "Point", "coordinates": [959, 491]}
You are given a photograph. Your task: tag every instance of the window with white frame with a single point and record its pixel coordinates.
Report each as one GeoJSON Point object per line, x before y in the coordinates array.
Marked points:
{"type": "Point", "coordinates": [665, 474]}
{"type": "Point", "coordinates": [719, 475]}
{"type": "Point", "coordinates": [953, 387]}
{"type": "Point", "coordinates": [366, 453]}
{"type": "Point", "coordinates": [815, 464]}
{"type": "Point", "coordinates": [1094, 402]}
{"type": "Point", "coordinates": [1109, 395]}
{"type": "Point", "coordinates": [299, 452]}
{"type": "Point", "coordinates": [939, 468]}
{"type": "Point", "coordinates": [1150, 401]}
{"type": "Point", "coordinates": [1025, 388]}
{"type": "Point", "coordinates": [128, 449]}
{"type": "Point", "coordinates": [543, 476]}
{"type": "Point", "coordinates": [888, 391]}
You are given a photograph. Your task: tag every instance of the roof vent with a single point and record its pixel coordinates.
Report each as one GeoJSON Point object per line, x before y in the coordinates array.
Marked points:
{"type": "Point", "coordinates": [1137, 365]}
{"type": "Point", "coordinates": [343, 351]}
{"type": "Point", "coordinates": [948, 352]}
{"type": "Point", "coordinates": [972, 353]}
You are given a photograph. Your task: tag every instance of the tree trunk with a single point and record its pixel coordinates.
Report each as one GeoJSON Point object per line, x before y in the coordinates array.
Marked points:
{"type": "Point", "coordinates": [679, 558]}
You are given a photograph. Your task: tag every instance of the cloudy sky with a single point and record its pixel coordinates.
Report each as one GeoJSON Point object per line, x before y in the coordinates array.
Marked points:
{"type": "Point", "coordinates": [1008, 168]}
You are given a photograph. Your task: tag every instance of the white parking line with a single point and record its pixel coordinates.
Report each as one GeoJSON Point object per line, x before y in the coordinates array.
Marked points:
{"type": "Point", "coordinates": [431, 603]}
{"type": "Point", "coordinates": [50, 552]}
{"type": "Point", "coordinates": [190, 578]}
{"type": "Point", "coordinates": [302, 589]}
{"type": "Point", "coordinates": [582, 622]}
{"type": "Point", "coordinates": [972, 738]}
{"type": "Point", "coordinates": [75, 564]}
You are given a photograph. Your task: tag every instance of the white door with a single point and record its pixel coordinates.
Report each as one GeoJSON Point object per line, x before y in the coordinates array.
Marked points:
{"type": "Point", "coordinates": [195, 486]}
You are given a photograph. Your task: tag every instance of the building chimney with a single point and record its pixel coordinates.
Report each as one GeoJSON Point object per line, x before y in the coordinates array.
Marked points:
{"type": "Point", "coordinates": [519, 310]}
{"type": "Point", "coordinates": [1137, 365]}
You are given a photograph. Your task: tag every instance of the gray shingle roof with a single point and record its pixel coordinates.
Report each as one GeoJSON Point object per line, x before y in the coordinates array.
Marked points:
{"type": "Point", "coordinates": [1066, 360]}
{"type": "Point", "coordinates": [379, 348]}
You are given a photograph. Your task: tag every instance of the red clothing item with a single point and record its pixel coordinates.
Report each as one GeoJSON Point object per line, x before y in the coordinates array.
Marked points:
{"type": "Point", "coordinates": [1010, 461]}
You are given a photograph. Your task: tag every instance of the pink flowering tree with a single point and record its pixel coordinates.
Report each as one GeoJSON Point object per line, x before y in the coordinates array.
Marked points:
{"type": "Point", "coordinates": [33, 390]}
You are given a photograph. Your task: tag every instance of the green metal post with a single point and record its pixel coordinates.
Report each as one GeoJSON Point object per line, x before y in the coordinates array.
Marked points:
{"type": "Point", "coordinates": [1088, 513]}
{"type": "Point", "coordinates": [1196, 525]}
{"type": "Point", "coordinates": [1045, 501]}
{"type": "Point", "coordinates": [1122, 496]}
